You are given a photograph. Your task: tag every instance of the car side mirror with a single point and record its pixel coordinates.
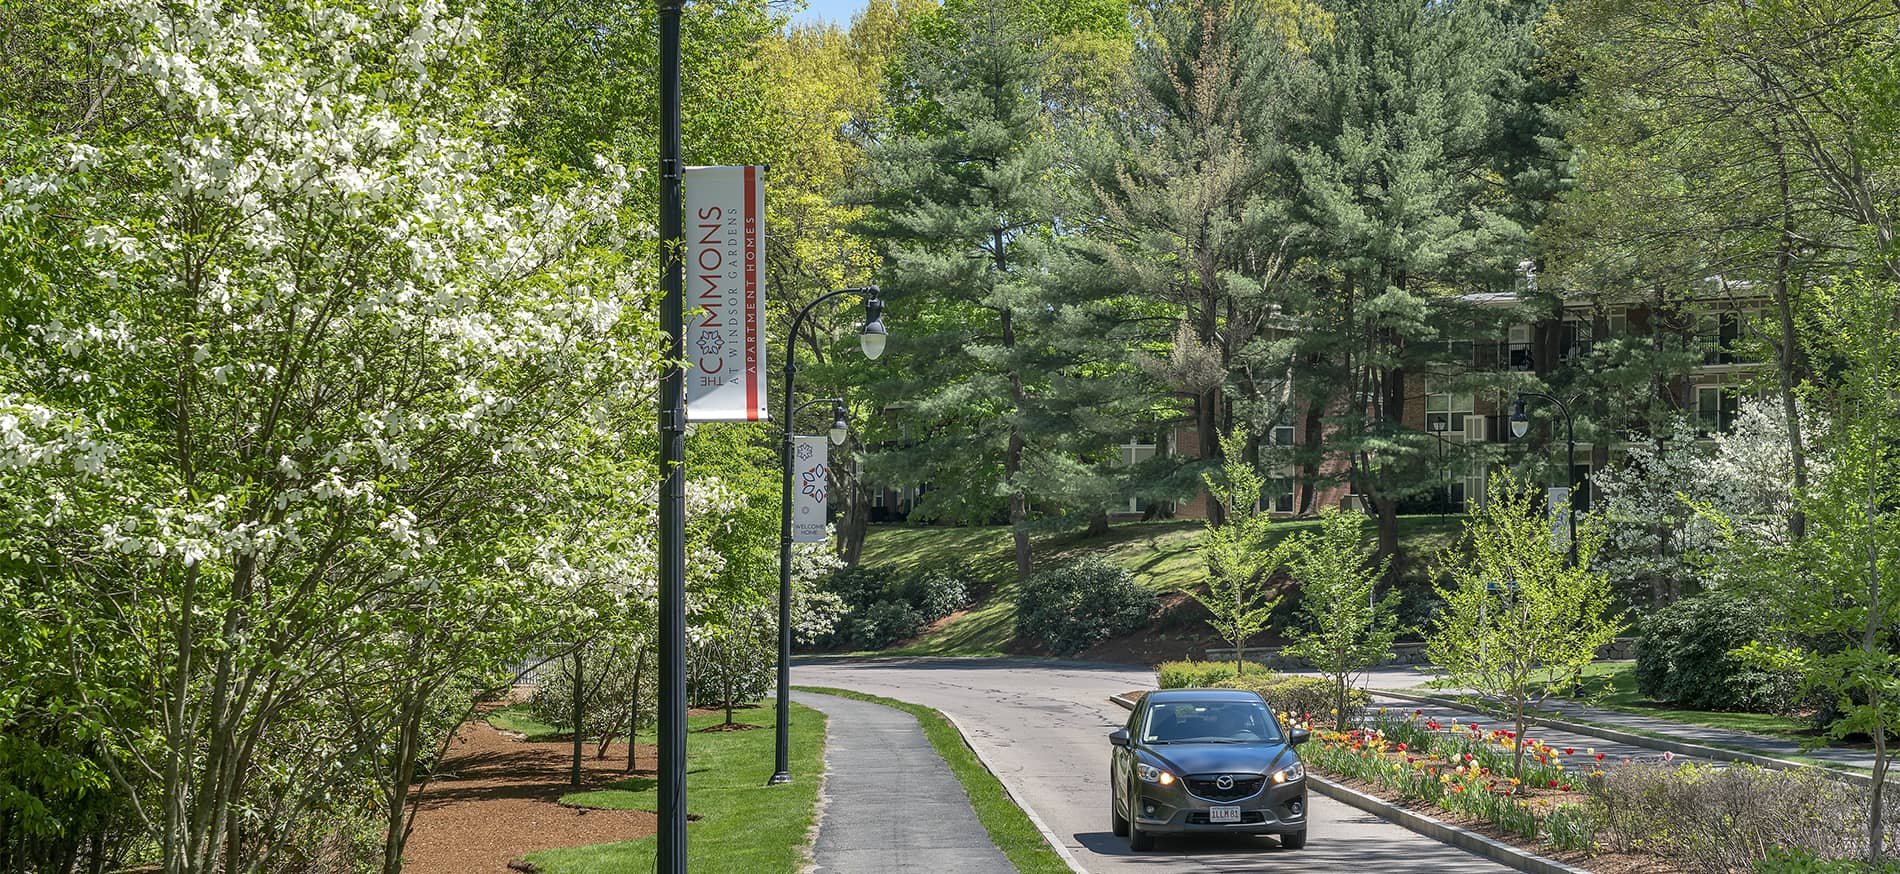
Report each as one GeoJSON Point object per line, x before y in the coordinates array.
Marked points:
{"type": "Point", "coordinates": [1297, 736]}
{"type": "Point", "coordinates": [1119, 737]}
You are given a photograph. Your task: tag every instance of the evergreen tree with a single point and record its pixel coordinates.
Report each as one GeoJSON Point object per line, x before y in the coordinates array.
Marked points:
{"type": "Point", "coordinates": [1400, 220]}
{"type": "Point", "coordinates": [959, 198]}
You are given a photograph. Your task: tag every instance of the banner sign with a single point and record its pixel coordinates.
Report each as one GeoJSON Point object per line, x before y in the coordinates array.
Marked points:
{"type": "Point", "coordinates": [1559, 518]}
{"type": "Point", "coordinates": [725, 300]}
{"type": "Point", "coordinates": [811, 487]}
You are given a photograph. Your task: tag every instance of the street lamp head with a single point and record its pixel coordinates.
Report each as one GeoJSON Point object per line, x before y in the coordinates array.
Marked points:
{"type": "Point", "coordinates": [1520, 423]}
{"type": "Point", "coordinates": [839, 427]}
{"type": "Point", "coordinates": [872, 336]}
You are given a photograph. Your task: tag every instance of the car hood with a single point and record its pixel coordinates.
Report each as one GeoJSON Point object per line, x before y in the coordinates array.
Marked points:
{"type": "Point", "coordinates": [1185, 759]}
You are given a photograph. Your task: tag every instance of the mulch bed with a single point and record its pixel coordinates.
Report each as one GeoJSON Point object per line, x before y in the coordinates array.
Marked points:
{"type": "Point", "coordinates": [496, 796]}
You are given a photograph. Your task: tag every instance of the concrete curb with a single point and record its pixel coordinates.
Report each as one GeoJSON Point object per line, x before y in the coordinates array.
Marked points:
{"type": "Point", "coordinates": [1683, 748]}
{"type": "Point", "coordinates": [1442, 832]}
{"type": "Point", "coordinates": [1048, 836]}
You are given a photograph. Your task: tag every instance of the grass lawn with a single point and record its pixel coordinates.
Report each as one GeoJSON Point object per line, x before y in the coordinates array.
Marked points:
{"type": "Point", "coordinates": [516, 718]}
{"type": "Point", "coordinates": [1162, 555]}
{"type": "Point", "coordinates": [1009, 828]}
{"type": "Point", "coordinates": [743, 825]}
{"type": "Point", "coordinates": [1612, 685]}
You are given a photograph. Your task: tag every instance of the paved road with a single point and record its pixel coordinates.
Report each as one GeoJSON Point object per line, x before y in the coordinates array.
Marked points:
{"type": "Point", "coordinates": [1043, 726]}
{"type": "Point", "coordinates": [870, 749]}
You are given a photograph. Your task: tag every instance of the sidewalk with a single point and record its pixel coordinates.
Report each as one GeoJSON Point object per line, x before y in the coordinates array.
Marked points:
{"type": "Point", "coordinates": [889, 801]}
{"type": "Point", "coordinates": [1556, 708]}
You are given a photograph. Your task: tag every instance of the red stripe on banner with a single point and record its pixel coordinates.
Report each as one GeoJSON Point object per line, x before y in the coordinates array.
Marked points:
{"type": "Point", "coordinates": [753, 376]}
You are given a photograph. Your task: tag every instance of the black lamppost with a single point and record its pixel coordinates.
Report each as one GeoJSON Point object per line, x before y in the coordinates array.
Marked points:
{"type": "Point", "coordinates": [871, 337]}
{"type": "Point", "coordinates": [1521, 423]}
{"type": "Point", "coordinates": [671, 725]}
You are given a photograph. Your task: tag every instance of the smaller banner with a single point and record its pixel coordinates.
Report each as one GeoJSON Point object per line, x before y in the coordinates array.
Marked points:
{"type": "Point", "coordinates": [725, 296]}
{"type": "Point", "coordinates": [811, 489]}
{"type": "Point", "coordinates": [1559, 519]}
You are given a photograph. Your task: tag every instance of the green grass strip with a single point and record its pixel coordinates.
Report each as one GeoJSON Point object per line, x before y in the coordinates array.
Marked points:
{"type": "Point", "coordinates": [1009, 827]}
{"type": "Point", "coordinates": [743, 825]}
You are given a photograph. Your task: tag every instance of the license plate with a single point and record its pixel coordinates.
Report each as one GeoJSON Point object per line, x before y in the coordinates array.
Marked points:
{"type": "Point", "coordinates": [1223, 814]}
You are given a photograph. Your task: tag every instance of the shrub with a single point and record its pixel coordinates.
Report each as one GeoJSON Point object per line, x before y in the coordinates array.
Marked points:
{"type": "Point", "coordinates": [1682, 657]}
{"type": "Point", "coordinates": [884, 623]}
{"type": "Point", "coordinates": [1072, 606]}
{"type": "Point", "coordinates": [938, 593]}
{"type": "Point", "coordinates": [1301, 696]}
{"type": "Point", "coordinates": [1783, 862]}
{"type": "Point", "coordinates": [862, 586]}
{"type": "Point", "coordinates": [1729, 818]}
{"type": "Point", "coordinates": [1200, 675]}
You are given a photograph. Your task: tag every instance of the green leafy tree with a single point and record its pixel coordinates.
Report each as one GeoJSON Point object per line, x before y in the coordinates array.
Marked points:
{"type": "Point", "coordinates": [1346, 627]}
{"type": "Point", "coordinates": [1520, 622]}
{"type": "Point", "coordinates": [1838, 588]}
{"type": "Point", "coordinates": [1238, 561]}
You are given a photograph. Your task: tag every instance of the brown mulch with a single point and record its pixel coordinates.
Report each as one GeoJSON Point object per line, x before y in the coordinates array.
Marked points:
{"type": "Point", "coordinates": [737, 726]}
{"type": "Point", "coordinates": [495, 798]}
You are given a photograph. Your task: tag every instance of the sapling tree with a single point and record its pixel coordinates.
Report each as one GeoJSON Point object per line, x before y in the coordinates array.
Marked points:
{"type": "Point", "coordinates": [1238, 562]}
{"type": "Point", "coordinates": [1520, 622]}
{"type": "Point", "coordinates": [1345, 626]}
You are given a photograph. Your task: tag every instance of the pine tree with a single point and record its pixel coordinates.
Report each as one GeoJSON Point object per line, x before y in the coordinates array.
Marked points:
{"type": "Point", "coordinates": [959, 198]}
{"type": "Point", "coordinates": [1400, 221]}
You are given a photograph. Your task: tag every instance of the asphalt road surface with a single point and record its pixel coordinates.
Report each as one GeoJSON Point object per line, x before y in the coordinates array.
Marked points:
{"type": "Point", "coordinates": [1044, 727]}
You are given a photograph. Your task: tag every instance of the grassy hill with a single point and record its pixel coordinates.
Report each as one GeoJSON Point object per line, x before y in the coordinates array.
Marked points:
{"type": "Point", "coordinates": [1163, 555]}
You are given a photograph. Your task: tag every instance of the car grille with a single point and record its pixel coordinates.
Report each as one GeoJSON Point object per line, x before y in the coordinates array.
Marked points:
{"type": "Point", "coordinates": [1247, 817]}
{"type": "Point", "coordinates": [1245, 785]}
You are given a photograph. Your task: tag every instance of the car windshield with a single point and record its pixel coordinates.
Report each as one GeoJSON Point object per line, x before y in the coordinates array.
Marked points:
{"type": "Point", "coordinates": [1210, 722]}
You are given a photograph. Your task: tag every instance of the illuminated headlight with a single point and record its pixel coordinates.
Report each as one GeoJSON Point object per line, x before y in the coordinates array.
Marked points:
{"type": "Point", "coordinates": [1152, 774]}
{"type": "Point", "coordinates": [1289, 775]}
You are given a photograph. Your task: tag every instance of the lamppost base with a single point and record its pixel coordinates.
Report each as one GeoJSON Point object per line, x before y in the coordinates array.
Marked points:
{"type": "Point", "coordinates": [779, 779]}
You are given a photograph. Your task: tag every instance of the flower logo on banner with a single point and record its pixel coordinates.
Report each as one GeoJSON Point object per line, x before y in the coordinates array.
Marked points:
{"type": "Point", "coordinates": [804, 452]}
{"type": "Point", "coordinates": [711, 342]}
{"type": "Point", "coordinates": [812, 483]}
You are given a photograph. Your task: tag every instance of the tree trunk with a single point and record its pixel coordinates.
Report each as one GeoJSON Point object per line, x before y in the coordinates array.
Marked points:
{"type": "Point", "coordinates": [1388, 509]}
{"type": "Point", "coordinates": [633, 716]}
{"type": "Point", "coordinates": [856, 517]}
{"type": "Point", "coordinates": [1788, 350]}
{"type": "Point", "coordinates": [580, 692]}
{"type": "Point", "coordinates": [1098, 524]}
{"type": "Point", "coordinates": [1013, 453]}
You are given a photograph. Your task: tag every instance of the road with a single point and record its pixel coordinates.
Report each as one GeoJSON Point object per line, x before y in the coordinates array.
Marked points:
{"type": "Point", "coordinates": [1044, 725]}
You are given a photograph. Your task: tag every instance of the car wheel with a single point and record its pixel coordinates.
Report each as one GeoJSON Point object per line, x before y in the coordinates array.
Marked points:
{"type": "Point", "coordinates": [1294, 841]}
{"type": "Point", "coordinates": [1116, 822]}
{"type": "Point", "coordinates": [1138, 840]}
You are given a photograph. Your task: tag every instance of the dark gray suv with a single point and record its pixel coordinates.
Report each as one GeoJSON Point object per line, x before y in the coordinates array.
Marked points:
{"type": "Point", "coordinates": [1206, 760]}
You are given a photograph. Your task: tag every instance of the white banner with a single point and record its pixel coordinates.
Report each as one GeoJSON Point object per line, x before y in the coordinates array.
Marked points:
{"type": "Point", "coordinates": [725, 298]}
{"type": "Point", "coordinates": [811, 488]}
{"type": "Point", "coordinates": [1559, 518]}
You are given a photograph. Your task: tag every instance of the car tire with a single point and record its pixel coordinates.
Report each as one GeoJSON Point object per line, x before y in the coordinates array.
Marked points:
{"type": "Point", "coordinates": [1138, 840]}
{"type": "Point", "coordinates": [1293, 841]}
{"type": "Point", "coordinates": [1116, 822]}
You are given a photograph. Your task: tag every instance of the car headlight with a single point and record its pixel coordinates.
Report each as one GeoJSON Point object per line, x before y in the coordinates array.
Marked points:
{"type": "Point", "coordinates": [1151, 774]}
{"type": "Point", "coordinates": [1296, 771]}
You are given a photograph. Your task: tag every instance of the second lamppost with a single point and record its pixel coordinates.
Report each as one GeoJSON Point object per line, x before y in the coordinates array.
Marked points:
{"type": "Point", "coordinates": [871, 337]}
{"type": "Point", "coordinates": [1521, 424]}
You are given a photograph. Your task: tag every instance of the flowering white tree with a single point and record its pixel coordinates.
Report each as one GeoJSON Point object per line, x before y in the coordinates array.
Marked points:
{"type": "Point", "coordinates": [306, 388]}
{"type": "Point", "coordinates": [1650, 499]}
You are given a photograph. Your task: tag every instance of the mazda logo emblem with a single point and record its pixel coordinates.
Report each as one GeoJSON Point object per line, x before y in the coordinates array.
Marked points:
{"type": "Point", "coordinates": [1224, 781]}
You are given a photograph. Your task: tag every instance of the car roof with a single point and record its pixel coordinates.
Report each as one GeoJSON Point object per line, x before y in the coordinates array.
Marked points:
{"type": "Point", "coordinates": [1162, 696]}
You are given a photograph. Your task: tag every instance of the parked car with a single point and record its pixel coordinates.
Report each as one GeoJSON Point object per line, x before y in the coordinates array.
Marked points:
{"type": "Point", "coordinates": [1196, 761]}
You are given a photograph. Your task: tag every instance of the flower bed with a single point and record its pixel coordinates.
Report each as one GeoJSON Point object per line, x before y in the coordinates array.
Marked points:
{"type": "Point", "coordinates": [1466, 771]}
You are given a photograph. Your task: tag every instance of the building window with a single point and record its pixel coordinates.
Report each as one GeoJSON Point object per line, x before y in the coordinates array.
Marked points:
{"type": "Point", "coordinates": [1519, 348]}
{"type": "Point", "coordinates": [1617, 321]}
{"type": "Point", "coordinates": [1714, 410]}
{"type": "Point", "coordinates": [1134, 452]}
{"type": "Point", "coordinates": [1445, 412]}
{"type": "Point", "coordinates": [1283, 429]}
{"type": "Point", "coordinates": [1576, 339]}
